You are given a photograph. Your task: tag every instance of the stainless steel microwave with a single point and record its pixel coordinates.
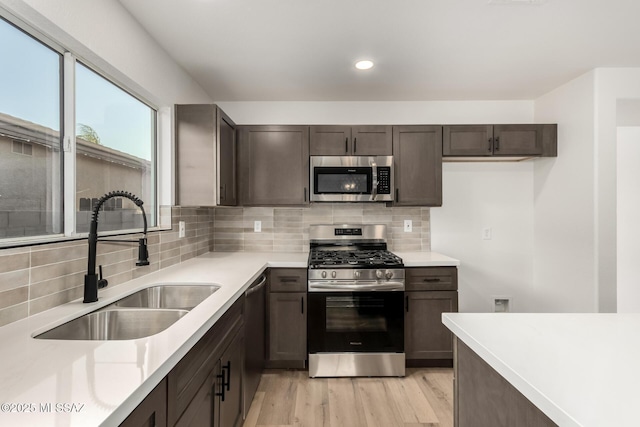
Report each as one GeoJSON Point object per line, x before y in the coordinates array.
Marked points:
{"type": "Point", "coordinates": [351, 178]}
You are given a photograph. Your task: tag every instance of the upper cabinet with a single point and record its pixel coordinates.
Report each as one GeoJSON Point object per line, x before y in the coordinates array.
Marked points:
{"type": "Point", "coordinates": [528, 140]}
{"type": "Point", "coordinates": [417, 157]}
{"type": "Point", "coordinates": [273, 164]}
{"type": "Point", "coordinates": [205, 155]}
{"type": "Point", "coordinates": [374, 140]}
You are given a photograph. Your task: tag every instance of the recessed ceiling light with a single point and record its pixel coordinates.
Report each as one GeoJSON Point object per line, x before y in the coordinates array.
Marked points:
{"type": "Point", "coordinates": [364, 65]}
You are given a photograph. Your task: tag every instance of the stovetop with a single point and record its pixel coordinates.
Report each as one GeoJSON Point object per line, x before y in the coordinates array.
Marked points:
{"type": "Point", "coordinates": [353, 258]}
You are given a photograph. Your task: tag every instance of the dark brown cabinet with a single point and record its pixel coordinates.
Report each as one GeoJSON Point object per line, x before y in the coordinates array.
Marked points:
{"type": "Point", "coordinates": [518, 140]}
{"type": "Point", "coordinates": [274, 165]}
{"type": "Point", "coordinates": [372, 140]}
{"type": "Point", "coordinates": [430, 291]}
{"type": "Point", "coordinates": [152, 411]}
{"type": "Point", "coordinates": [417, 157]}
{"type": "Point", "coordinates": [205, 155]}
{"type": "Point", "coordinates": [205, 387]}
{"type": "Point", "coordinates": [287, 312]}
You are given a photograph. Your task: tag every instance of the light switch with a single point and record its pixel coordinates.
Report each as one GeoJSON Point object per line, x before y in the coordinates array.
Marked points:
{"type": "Point", "coordinates": [487, 233]}
{"type": "Point", "coordinates": [257, 226]}
{"type": "Point", "coordinates": [408, 226]}
{"type": "Point", "coordinates": [181, 229]}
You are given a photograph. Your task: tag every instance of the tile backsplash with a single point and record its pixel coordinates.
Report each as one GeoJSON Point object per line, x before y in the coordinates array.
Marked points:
{"type": "Point", "coordinates": [39, 277]}
{"type": "Point", "coordinates": [287, 229]}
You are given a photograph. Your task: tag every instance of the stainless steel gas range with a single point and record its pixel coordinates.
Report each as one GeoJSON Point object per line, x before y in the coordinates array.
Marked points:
{"type": "Point", "coordinates": [356, 303]}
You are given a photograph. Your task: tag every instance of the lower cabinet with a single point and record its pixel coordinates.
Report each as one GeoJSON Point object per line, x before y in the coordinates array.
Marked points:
{"type": "Point", "coordinates": [152, 411]}
{"type": "Point", "coordinates": [287, 314]}
{"type": "Point", "coordinates": [205, 387]}
{"type": "Point", "coordinates": [430, 291]}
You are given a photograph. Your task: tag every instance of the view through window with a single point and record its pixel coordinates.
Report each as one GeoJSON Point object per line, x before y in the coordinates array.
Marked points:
{"type": "Point", "coordinates": [115, 144]}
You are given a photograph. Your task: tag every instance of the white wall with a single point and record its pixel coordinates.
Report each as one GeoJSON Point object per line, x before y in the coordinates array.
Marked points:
{"type": "Point", "coordinates": [497, 195]}
{"type": "Point", "coordinates": [628, 231]}
{"type": "Point", "coordinates": [564, 203]}
{"type": "Point", "coordinates": [104, 35]}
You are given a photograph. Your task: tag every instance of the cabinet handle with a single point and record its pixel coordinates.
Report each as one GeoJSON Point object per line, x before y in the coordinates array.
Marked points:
{"type": "Point", "coordinates": [497, 143]}
{"type": "Point", "coordinates": [305, 194]}
{"type": "Point", "coordinates": [355, 146]}
{"type": "Point", "coordinates": [489, 140]}
{"type": "Point", "coordinates": [288, 280]}
{"type": "Point", "coordinates": [228, 368]}
{"type": "Point", "coordinates": [221, 394]}
{"type": "Point", "coordinates": [346, 145]}
{"type": "Point", "coordinates": [397, 195]}
{"type": "Point", "coordinates": [406, 298]}
{"type": "Point", "coordinates": [302, 305]}
{"type": "Point", "coordinates": [431, 279]}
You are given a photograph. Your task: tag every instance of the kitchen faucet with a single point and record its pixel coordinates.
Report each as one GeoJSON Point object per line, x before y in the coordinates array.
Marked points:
{"type": "Point", "coordinates": [91, 281]}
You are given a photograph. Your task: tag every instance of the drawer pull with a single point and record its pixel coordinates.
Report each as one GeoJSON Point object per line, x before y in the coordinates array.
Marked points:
{"type": "Point", "coordinates": [431, 279]}
{"type": "Point", "coordinates": [289, 279]}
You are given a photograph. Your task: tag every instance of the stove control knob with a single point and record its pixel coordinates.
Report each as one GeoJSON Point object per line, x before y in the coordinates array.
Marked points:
{"type": "Point", "coordinates": [379, 274]}
{"type": "Point", "coordinates": [324, 274]}
{"type": "Point", "coordinates": [388, 274]}
{"type": "Point", "coordinates": [356, 274]}
{"type": "Point", "coordinates": [333, 274]}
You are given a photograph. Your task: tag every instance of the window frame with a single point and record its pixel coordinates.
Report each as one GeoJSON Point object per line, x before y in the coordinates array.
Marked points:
{"type": "Point", "coordinates": [68, 59]}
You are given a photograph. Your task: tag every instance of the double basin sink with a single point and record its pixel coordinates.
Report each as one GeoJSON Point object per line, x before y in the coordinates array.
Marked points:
{"type": "Point", "coordinates": [144, 313]}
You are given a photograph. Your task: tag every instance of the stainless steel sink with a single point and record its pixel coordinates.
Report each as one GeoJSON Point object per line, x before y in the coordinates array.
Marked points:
{"type": "Point", "coordinates": [115, 324]}
{"type": "Point", "coordinates": [183, 297]}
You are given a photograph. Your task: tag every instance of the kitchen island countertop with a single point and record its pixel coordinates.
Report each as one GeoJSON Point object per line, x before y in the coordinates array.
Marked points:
{"type": "Point", "coordinates": [578, 369]}
{"type": "Point", "coordinates": [92, 383]}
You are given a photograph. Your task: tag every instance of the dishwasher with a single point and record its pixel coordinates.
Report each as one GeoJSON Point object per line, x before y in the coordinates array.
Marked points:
{"type": "Point", "coordinates": [255, 348]}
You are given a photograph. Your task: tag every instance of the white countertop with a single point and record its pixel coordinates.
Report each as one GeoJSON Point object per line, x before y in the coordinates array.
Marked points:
{"type": "Point", "coordinates": [426, 259]}
{"type": "Point", "coordinates": [579, 369]}
{"type": "Point", "coordinates": [106, 380]}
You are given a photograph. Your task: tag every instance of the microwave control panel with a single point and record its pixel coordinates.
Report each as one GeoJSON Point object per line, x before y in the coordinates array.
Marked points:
{"type": "Point", "coordinates": [384, 180]}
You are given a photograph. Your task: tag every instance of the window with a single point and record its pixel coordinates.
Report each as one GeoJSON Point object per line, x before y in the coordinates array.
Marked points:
{"type": "Point", "coordinates": [30, 117]}
{"type": "Point", "coordinates": [115, 141]}
{"type": "Point", "coordinates": [115, 144]}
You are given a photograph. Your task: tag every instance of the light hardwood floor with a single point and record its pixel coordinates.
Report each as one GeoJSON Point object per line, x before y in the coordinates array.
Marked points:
{"type": "Point", "coordinates": [290, 398]}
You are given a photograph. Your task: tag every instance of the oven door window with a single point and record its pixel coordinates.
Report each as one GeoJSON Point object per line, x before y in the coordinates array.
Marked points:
{"type": "Point", "coordinates": [342, 180]}
{"type": "Point", "coordinates": [356, 322]}
{"type": "Point", "coordinates": [355, 313]}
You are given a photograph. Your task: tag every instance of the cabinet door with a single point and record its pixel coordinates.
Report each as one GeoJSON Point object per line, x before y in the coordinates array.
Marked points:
{"type": "Point", "coordinates": [372, 141]}
{"type": "Point", "coordinates": [418, 165]}
{"type": "Point", "coordinates": [288, 279]}
{"type": "Point", "coordinates": [152, 411]}
{"type": "Point", "coordinates": [232, 362]}
{"type": "Point", "coordinates": [467, 140]}
{"type": "Point", "coordinates": [195, 155]}
{"type": "Point", "coordinates": [517, 140]}
{"type": "Point", "coordinates": [274, 165]}
{"type": "Point", "coordinates": [288, 327]}
{"type": "Point", "coordinates": [204, 406]}
{"type": "Point", "coordinates": [330, 140]}
{"type": "Point", "coordinates": [425, 335]}
{"type": "Point", "coordinates": [226, 137]}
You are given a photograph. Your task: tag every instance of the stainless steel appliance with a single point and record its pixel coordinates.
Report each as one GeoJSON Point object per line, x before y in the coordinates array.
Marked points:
{"type": "Point", "coordinates": [255, 348]}
{"type": "Point", "coordinates": [351, 178]}
{"type": "Point", "coordinates": [355, 311]}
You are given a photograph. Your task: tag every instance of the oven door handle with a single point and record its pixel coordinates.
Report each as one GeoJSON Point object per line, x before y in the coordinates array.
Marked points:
{"type": "Point", "coordinates": [343, 287]}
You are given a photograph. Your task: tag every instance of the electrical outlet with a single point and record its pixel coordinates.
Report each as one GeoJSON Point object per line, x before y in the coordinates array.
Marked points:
{"type": "Point", "coordinates": [408, 226]}
{"type": "Point", "coordinates": [257, 226]}
{"type": "Point", "coordinates": [487, 233]}
{"type": "Point", "coordinates": [181, 229]}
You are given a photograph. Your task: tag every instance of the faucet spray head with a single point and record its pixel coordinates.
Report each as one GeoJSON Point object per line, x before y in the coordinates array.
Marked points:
{"type": "Point", "coordinates": [143, 253]}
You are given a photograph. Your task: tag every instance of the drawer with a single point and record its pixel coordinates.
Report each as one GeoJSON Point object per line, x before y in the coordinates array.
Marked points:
{"type": "Point", "coordinates": [288, 280]}
{"type": "Point", "coordinates": [431, 279]}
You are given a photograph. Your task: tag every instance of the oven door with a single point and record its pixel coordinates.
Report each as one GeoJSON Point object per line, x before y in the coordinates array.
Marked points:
{"type": "Point", "coordinates": [356, 322]}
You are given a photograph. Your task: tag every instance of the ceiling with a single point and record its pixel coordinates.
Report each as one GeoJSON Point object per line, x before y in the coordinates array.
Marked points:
{"type": "Point", "coordinates": [305, 50]}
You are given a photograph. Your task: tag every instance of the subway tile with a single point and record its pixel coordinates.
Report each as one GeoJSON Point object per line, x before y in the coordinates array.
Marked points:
{"type": "Point", "coordinates": [14, 261]}
{"type": "Point", "coordinates": [14, 296]}
{"type": "Point", "coordinates": [14, 313]}
{"type": "Point", "coordinates": [53, 300]}
{"type": "Point", "coordinates": [14, 279]}
{"type": "Point", "coordinates": [57, 284]}
{"type": "Point", "coordinates": [50, 271]}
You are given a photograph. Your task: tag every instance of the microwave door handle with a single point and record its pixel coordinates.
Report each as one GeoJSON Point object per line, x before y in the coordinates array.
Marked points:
{"type": "Point", "coordinates": [374, 184]}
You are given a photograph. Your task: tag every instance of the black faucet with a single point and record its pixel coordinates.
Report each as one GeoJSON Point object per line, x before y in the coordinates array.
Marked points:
{"type": "Point", "coordinates": [91, 281]}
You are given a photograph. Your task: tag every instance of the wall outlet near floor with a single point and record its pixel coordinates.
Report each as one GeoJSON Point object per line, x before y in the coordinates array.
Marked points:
{"type": "Point", "coordinates": [181, 229]}
{"type": "Point", "coordinates": [487, 233]}
{"type": "Point", "coordinates": [408, 226]}
{"type": "Point", "coordinates": [257, 226]}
